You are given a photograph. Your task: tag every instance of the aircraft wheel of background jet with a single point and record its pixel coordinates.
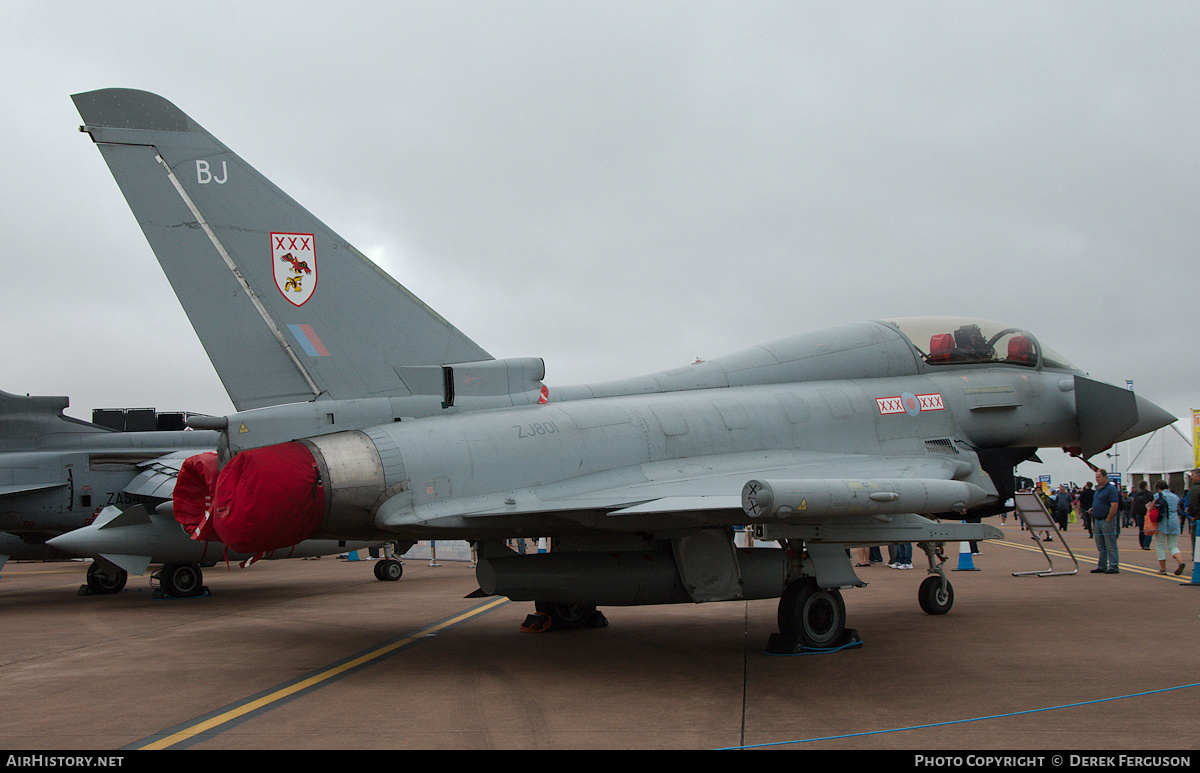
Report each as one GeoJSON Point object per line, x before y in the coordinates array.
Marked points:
{"type": "Point", "coordinates": [180, 580]}
{"type": "Point", "coordinates": [106, 580]}
{"type": "Point", "coordinates": [389, 570]}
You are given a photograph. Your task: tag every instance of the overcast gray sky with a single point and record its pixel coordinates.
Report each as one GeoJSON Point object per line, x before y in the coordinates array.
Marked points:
{"type": "Point", "coordinates": [621, 187]}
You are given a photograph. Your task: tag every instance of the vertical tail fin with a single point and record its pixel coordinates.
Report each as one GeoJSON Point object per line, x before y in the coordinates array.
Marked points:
{"type": "Point", "coordinates": [24, 419]}
{"type": "Point", "coordinates": [286, 309]}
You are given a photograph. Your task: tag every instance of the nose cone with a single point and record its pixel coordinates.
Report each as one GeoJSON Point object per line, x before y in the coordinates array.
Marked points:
{"type": "Point", "coordinates": [1107, 414]}
{"type": "Point", "coordinates": [81, 542]}
{"type": "Point", "coordinates": [1149, 418]}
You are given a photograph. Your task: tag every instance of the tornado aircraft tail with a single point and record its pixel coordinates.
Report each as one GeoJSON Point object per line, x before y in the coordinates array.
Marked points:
{"type": "Point", "coordinates": [286, 309]}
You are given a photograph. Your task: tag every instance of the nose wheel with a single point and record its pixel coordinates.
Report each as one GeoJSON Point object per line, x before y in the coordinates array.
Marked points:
{"type": "Point", "coordinates": [935, 595]}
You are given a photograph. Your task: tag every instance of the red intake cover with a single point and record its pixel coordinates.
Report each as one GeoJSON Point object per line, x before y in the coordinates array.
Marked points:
{"type": "Point", "coordinates": [269, 498]}
{"type": "Point", "coordinates": [192, 498]}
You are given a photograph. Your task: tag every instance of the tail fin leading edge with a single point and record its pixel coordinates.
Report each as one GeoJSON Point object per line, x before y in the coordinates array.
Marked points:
{"type": "Point", "coordinates": [285, 308]}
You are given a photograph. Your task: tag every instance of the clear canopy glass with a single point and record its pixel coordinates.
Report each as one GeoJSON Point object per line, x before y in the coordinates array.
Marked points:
{"type": "Point", "coordinates": [961, 340]}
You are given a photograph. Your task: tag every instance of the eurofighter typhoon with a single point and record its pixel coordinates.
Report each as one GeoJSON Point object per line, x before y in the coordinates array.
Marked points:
{"type": "Point", "coordinates": [362, 414]}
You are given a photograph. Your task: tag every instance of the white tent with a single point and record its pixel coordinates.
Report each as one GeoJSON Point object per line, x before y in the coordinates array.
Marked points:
{"type": "Point", "coordinates": [1164, 454]}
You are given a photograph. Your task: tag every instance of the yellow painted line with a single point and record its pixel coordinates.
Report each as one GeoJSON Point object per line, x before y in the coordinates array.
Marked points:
{"type": "Point", "coordinates": [314, 680]}
{"type": "Point", "coordinates": [9, 576]}
{"type": "Point", "coordinates": [1081, 557]}
{"type": "Point", "coordinates": [27, 572]}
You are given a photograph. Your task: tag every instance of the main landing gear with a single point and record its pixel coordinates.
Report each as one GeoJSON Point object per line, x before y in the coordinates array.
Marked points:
{"type": "Point", "coordinates": [813, 619]}
{"type": "Point", "coordinates": [549, 616]}
{"type": "Point", "coordinates": [388, 570]}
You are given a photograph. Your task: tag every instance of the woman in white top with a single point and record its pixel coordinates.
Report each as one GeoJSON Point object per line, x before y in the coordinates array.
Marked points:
{"type": "Point", "coordinates": [1167, 539]}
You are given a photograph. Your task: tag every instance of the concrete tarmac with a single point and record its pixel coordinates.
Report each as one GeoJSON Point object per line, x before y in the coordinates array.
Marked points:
{"type": "Point", "coordinates": [320, 655]}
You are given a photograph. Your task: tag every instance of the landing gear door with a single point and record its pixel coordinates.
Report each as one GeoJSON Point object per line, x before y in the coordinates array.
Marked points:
{"type": "Point", "coordinates": [832, 565]}
{"type": "Point", "coordinates": [708, 566]}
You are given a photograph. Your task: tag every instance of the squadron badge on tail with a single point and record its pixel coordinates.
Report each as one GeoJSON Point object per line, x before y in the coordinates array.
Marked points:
{"type": "Point", "coordinates": [294, 263]}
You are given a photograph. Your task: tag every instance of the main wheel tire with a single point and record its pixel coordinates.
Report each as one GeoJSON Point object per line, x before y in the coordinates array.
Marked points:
{"type": "Point", "coordinates": [934, 600]}
{"type": "Point", "coordinates": [181, 580]}
{"type": "Point", "coordinates": [813, 615]}
{"type": "Point", "coordinates": [106, 581]}
{"type": "Point", "coordinates": [566, 616]}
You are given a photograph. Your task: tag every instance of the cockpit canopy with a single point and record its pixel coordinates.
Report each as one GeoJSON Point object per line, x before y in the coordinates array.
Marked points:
{"type": "Point", "coordinates": [963, 341]}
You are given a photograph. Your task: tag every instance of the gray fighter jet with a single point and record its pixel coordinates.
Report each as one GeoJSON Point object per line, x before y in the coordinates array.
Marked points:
{"type": "Point", "coordinates": [57, 473]}
{"type": "Point", "coordinates": [125, 541]}
{"type": "Point", "coordinates": [362, 414]}
{"type": "Point", "coordinates": [70, 488]}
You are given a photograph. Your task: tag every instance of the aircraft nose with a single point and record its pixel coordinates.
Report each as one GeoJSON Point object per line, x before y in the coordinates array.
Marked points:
{"type": "Point", "coordinates": [1150, 418]}
{"type": "Point", "coordinates": [1107, 414]}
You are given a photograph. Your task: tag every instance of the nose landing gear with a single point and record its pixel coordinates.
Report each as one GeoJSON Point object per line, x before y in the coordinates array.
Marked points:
{"type": "Point", "coordinates": [935, 595]}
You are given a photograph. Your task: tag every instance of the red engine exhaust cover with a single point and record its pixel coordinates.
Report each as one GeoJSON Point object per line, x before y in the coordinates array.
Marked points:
{"type": "Point", "coordinates": [192, 497]}
{"type": "Point", "coordinates": [269, 498]}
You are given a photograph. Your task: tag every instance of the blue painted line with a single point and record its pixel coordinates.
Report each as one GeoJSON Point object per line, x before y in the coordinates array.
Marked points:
{"type": "Point", "coordinates": [962, 721]}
